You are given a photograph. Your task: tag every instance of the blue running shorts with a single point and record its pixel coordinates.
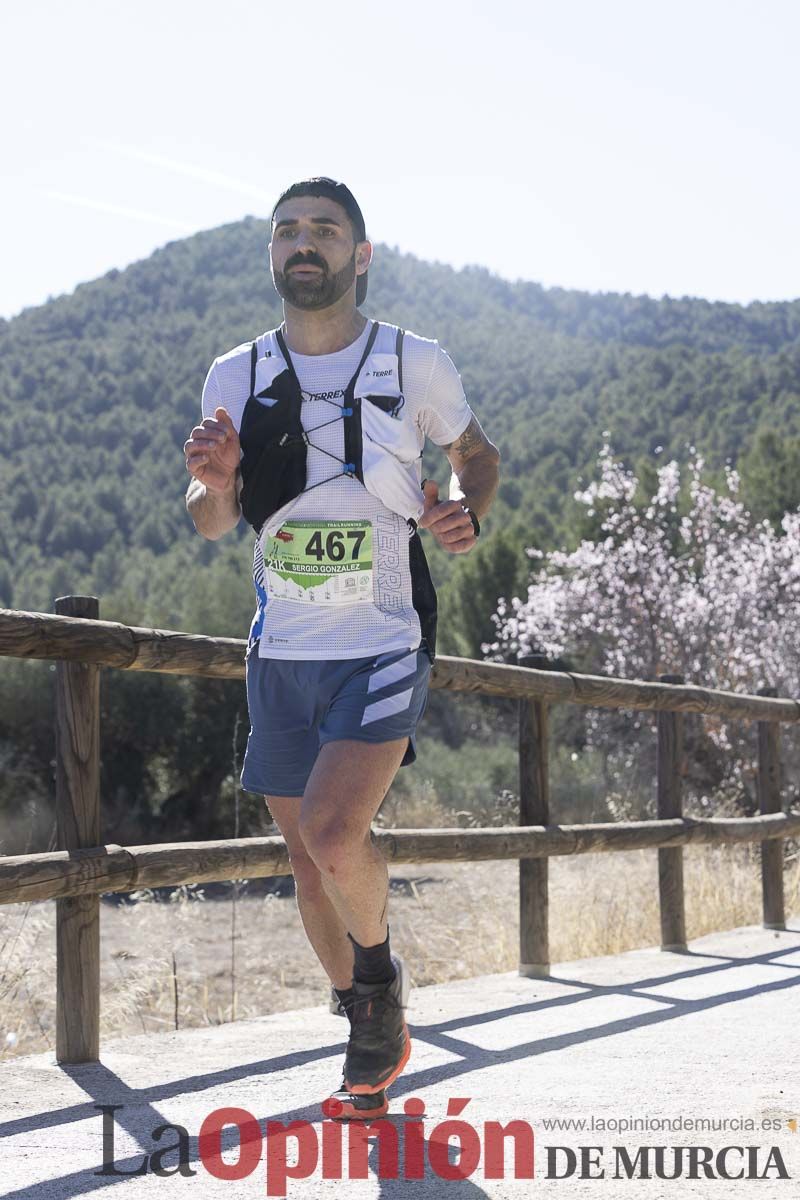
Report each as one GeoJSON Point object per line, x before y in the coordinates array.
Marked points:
{"type": "Point", "coordinates": [296, 706]}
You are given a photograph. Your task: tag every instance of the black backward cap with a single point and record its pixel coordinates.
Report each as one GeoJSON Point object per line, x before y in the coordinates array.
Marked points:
{"type": "Point", "coordinates": [322, 185]}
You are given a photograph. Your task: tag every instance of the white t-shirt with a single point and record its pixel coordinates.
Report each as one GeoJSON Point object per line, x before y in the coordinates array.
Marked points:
{"type": "Point", "coordinates": [435, 400]}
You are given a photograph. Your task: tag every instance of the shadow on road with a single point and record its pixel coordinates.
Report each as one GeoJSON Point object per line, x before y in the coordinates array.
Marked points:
{"type": "Point", "coordinates": [139, 1113]}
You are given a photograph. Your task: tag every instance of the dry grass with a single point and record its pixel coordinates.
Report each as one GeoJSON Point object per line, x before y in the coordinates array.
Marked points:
{"type": "Point", "coordinates": [449, 921]}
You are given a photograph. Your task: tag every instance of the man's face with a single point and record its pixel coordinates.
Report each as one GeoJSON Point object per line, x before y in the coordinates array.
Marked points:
{"type": "Point", "coordinates": [313, 254]}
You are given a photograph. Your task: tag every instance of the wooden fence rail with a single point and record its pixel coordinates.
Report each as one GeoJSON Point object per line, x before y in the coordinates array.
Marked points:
{"type": "Point", "coordinates": [41, 635]}
{"type": "Point", "coordinates": [110, 868]}
{"type": "Point", "coordinates": [81, 870]}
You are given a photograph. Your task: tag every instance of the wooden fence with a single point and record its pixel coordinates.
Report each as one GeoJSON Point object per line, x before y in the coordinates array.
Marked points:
{"type": "Point", "coordinates": [81, 869]}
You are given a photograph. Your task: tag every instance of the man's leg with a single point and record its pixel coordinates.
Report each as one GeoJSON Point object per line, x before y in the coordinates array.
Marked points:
{"type": "Point", "coordinates": [324, 927]}
{"type": "Point", "coordinates": [349, 780]}
{"type": "Point", "coordinates": [343, 794]}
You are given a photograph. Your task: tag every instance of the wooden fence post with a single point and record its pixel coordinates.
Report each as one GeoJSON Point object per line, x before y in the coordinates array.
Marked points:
{"type": "Point", "coordinates": [534, 809]}
{"type": "Point", "coordinates": [670, 804]}
{"type": "Point", "coordinates": [78, 824]}
{"type": "Point", "coordinates": [769, 801]}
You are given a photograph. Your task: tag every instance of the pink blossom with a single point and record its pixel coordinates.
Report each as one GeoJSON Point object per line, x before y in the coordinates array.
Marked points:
{"type": "Point", "coordinates": [687, 584]}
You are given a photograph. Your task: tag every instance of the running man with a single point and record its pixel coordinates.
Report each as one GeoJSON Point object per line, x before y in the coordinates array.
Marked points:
{"type": "Point", "coordinates": [314, 432]}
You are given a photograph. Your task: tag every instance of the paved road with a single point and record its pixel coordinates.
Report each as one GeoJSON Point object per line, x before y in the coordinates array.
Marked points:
{"type": "Point", "coordinates": [710, 1035]}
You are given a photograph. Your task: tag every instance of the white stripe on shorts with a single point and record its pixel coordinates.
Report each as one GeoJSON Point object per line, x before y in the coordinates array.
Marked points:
{"type": "Point", "coordinates": [391, 674]}
{"type": "Point", "coordinates": [386, 708]}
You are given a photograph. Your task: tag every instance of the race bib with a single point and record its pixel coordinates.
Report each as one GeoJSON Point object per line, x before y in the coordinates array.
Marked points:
{"type": "Point", "coordinates": [320, 562]}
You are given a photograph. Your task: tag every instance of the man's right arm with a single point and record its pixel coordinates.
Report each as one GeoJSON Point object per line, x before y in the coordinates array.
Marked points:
{"type": "Point", "coordinates": [214, 513]}
{"type": "Point", "coordinates": [213, 455]}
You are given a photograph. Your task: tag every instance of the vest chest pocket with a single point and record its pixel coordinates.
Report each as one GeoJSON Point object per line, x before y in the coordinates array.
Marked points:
{"type": "Point", "coordinates": [385, 418]}
{"type": "Point", "coordinates": [273, 463]}
{"type": "Point", "coordinates": [392, 433]}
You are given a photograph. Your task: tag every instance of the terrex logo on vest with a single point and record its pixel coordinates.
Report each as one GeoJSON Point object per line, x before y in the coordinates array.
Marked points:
{"type": "Point", "coordinates": [335, 395]}
{"type": "Point", "coordinates": [379, 374]}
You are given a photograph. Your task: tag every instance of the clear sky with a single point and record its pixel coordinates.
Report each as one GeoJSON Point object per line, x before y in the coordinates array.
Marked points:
{"type": "Point", "coordinates": [610, 145]}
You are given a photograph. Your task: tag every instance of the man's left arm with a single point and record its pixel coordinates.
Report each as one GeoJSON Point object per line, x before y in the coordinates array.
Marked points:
{"type": "Point", "coordinates": [475, 461]}
{"type": "Point", "coordinates": [476, 469]}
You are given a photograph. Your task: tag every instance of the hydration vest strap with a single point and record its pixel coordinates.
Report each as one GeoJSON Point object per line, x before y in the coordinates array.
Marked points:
{"type": "Point", "coordinates": [351, 415]}
{"type": "Point", "coordinates": [253, 357]}
{"type": "Point", "coordinates": [287, 358]}
{"type": "Point", "coordinates": [367, 351]}
{"type": "Point", "coordinates": [353, 442]}
{"type": "Point", "coordinates": [398, 347]}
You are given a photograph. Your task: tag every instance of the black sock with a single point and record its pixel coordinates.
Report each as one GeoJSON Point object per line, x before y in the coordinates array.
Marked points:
{"type": "Point", "coordinates": [344, 993]}
{"type": "Point", "coordinates": [373, 964]}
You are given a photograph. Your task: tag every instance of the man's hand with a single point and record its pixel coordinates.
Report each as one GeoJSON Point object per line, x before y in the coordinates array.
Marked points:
{"type": "Point", "coordinates": [447, 521]}
{"type": "Point", "coordinates": [212, 452]}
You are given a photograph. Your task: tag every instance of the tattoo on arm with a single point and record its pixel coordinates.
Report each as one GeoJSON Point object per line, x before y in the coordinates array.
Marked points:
{"type": "Point", "coordinates": [471, 439]}
{"type": "Point", "coordinates": [475, 462]}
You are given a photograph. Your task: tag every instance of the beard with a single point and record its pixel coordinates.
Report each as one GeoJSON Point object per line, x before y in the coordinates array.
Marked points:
{"type": "Point", "coordinates": [317, 293]}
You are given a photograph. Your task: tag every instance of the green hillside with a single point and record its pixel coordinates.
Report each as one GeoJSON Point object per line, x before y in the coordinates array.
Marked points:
{"type": "Point", "coordinates": [99, 390]}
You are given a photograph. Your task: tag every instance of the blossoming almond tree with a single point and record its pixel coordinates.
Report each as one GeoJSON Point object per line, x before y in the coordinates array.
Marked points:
{"type": "Point", "coordinates": [686, 583]}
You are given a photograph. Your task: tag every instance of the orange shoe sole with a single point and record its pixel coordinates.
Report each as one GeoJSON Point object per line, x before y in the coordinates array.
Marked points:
{"type": "Point", "coordinates": [347, 1110]}
{"type": "Point", "coordinates": [367, 1089]}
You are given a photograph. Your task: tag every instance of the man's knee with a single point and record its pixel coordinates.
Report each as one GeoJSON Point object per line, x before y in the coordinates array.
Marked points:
{"type": "Point", "coordinates": [307, 879]}
{"type": "Point", "coordinates": [332, 845]}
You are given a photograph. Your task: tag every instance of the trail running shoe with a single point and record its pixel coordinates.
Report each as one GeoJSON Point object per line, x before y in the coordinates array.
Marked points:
{"type": "Point", "coordinates": [337, 1008]}
{"type": "Point", "coordinates": [348, 1107]}
{"type": "Point", "coordinates": [379, 1045]}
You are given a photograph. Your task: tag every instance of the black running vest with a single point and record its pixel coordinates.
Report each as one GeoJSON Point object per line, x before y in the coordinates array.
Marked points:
{"type": "Point", "coordinates": [273, 463]}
